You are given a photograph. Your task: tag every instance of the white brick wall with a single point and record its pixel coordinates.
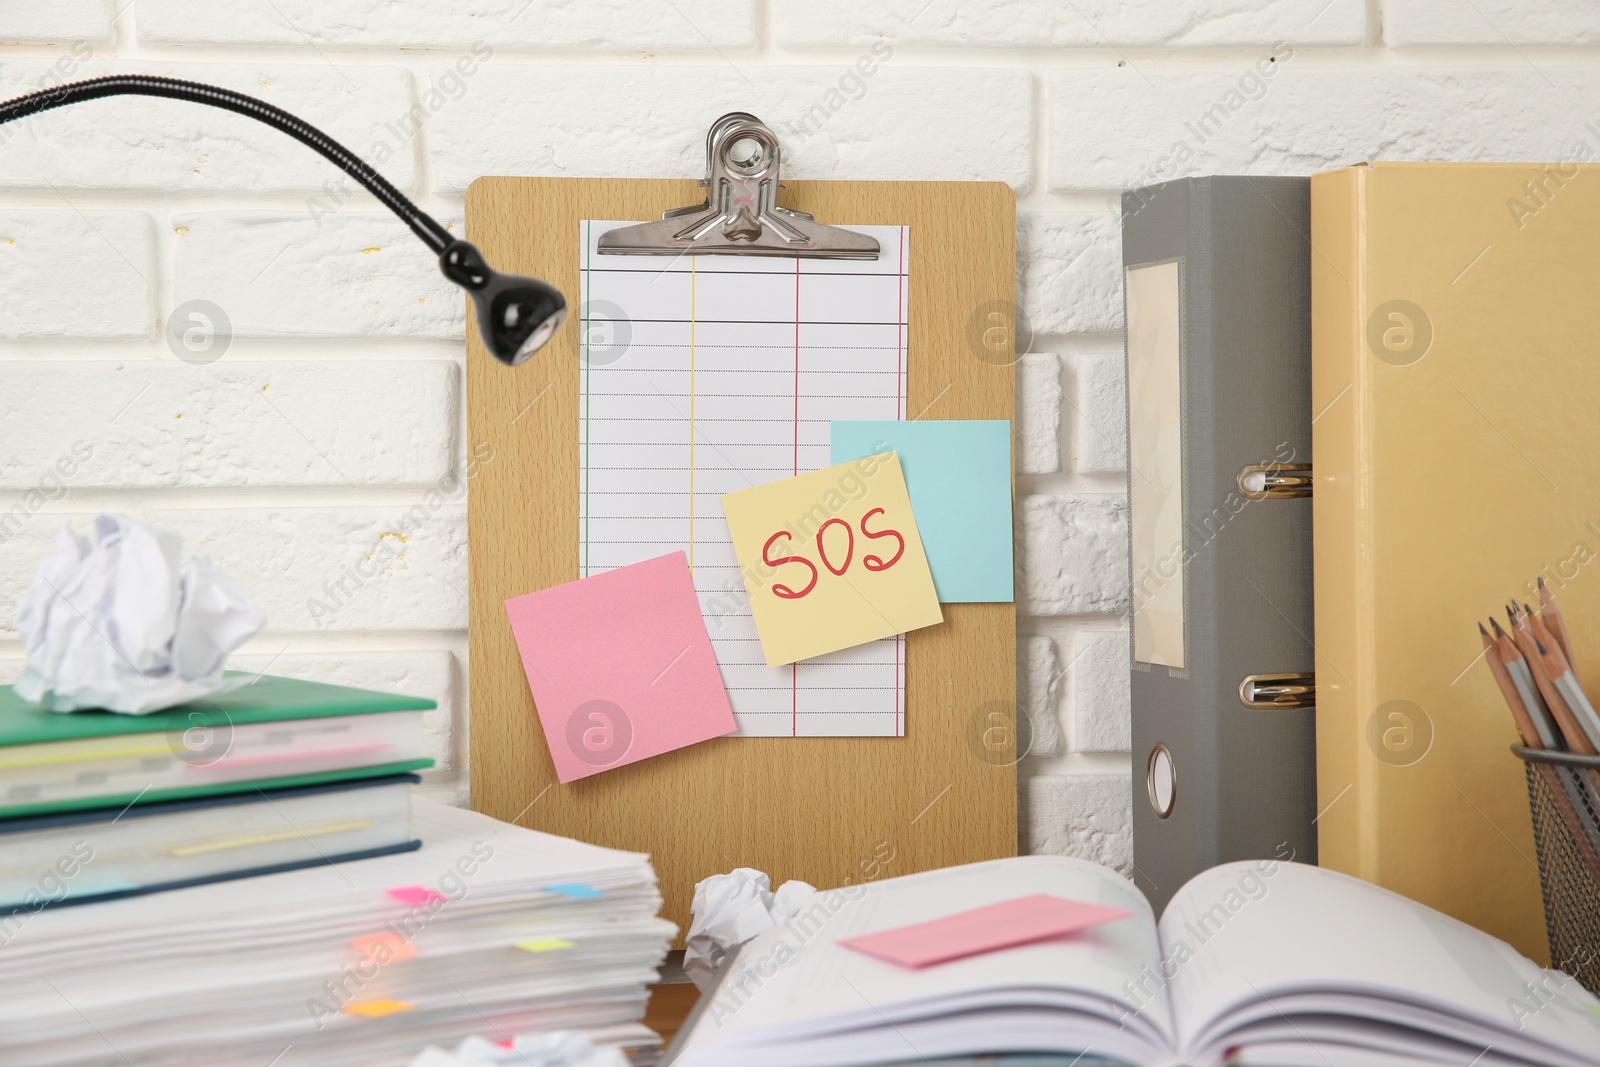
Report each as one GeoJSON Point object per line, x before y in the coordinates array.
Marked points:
{"type": "Point", "coordinates": [1038, 413]}
{"type": "Point", "coordinates": [314, 444]}
{"type": "Point", "coordinates": [1008, 23]}
{"type": "Point", "coordinates": [1300, 118]}
{"type": "Point", "coordinates": [1038, 683]}
{"type": "Point", "coordinates": [1491, 22]}
{"type": "Point", "coordinates": [1070, 270]}
{"type": "Point", "coordinates": [1100, 691]}
{"type": "Point", "coordinates": [1100, 413]}
{"type": "Point", "coordinates": [684, 25]}
{"type": "Point", "coordinates": [54, 251]}
{"type": "Point", "coordinates": [315, 273]}
{"type": "Point", "coordinates": [59, 20]}
{"type": "Point", "coordinates": [311, 569]}
{"type": "Point", "coordinates": [143, 143]}
{"type": "Point", "coordinates": [905, 121]}
{"type": "Point", "coordinates": [231, 423]}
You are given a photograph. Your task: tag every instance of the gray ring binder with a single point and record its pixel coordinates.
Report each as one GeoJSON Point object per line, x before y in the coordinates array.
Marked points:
{"type": "Point", "coordinates": [1220, 512]}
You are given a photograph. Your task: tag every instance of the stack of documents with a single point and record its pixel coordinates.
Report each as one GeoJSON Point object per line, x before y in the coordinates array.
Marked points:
{"type": "Point", "coordinates": [267, 777]}
{"type": "Point", "coordinates": [488, 929]}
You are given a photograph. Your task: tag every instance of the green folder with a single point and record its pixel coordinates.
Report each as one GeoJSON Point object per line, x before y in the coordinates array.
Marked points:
{"type": "Point", "coordinates": [267, 699]}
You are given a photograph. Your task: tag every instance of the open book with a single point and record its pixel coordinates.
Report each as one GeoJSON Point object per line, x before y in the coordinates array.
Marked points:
{"type": "Point", "coordinates": [1268, 963]}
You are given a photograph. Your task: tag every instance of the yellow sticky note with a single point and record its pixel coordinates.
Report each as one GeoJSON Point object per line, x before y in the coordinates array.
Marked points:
{"type": "Point", "coordinates": [831, 559]}
{"type": "Point", "coordinates": [377, 1009]}
{"type": "Point", "coordinates": [545, 944]}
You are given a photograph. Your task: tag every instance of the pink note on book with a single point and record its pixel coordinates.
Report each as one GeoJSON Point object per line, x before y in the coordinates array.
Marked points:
{"type": "Point", "coordinates": [1007, 924]}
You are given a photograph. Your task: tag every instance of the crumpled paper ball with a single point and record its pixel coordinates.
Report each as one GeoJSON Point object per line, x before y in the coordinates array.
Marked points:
{"type": "Point", "coordinates": [728, 910]}
{"type": "Point", "coordinates": [114, 624]}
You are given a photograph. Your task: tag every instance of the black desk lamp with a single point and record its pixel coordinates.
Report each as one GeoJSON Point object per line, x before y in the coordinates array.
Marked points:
{"type": "Point", "coordinates": [515, 315]}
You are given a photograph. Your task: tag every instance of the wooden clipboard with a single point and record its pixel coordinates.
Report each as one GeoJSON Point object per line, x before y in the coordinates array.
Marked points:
{"type": "Point", "coordinates": [830, 811]}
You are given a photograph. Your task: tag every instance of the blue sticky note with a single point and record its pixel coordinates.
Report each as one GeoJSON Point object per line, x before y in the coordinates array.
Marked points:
{"type": "Point", "coordinates": [959, 476]}
{"type": "Point", "coordinates": [577, 891]}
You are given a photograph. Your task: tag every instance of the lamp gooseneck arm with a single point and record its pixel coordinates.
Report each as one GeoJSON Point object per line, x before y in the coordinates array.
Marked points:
{"type": "Point", "coordinates": [422, 224]}
{"type": "Point", "coordinates": [516, 315]}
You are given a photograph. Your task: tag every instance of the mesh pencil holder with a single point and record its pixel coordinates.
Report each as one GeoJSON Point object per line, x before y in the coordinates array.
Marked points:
{"type": "Point", "coordinates": [1564, 794]}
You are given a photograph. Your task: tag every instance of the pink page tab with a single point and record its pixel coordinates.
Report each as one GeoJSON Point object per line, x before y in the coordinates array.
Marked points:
{"type": "Point", "coordinates": [1022, 921]}
{"type": "Point", "coordinates": [620, 666]}
{"type": "Point", "coordinates": [416, 895]}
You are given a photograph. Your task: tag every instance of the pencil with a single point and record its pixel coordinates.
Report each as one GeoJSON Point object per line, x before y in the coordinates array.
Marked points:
{"type": "Point", "coordinates": [1523, 655]}
{"type": "Point", "coordinates": [1522, 679]}
{"type": "Point", "coordinates": [1562, 679]}
{"type": "Point", "coordinates": [1538, 625]}
{"type": "Point", "coordinates": [1560, 674]}
{"type": "Point", "coordinates": [1541, 632]}
{"type": "Point", "coordinates": [1577, 741]}
{"type": "Point", "coordinates": [1557, 626]}
{"type": "Point", "coordinates": [1508, 689]}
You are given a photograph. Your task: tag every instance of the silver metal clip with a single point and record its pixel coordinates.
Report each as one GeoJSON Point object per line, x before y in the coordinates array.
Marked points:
{"type": "Point", "coordinates": [740, 216]}
{"type": "Point", "coordinates": [1275, 481]}
{"type": "Point", "coordinates": [1278, 691]}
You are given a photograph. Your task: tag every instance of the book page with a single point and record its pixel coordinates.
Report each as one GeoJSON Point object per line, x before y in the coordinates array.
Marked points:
{"type": "Point", "coordinates": [703, 375]}
{"type": "Point", "coordinates": [796, 996]}
{"type": "Point", "coordinates": [1283, 948]}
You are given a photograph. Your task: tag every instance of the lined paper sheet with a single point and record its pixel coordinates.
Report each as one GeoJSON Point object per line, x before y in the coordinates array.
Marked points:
{"type": "Point", "coordinates": [706, 374]}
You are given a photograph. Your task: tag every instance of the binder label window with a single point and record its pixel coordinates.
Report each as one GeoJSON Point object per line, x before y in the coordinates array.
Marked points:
{"type": "Point", "coordinates": [1155, 457]}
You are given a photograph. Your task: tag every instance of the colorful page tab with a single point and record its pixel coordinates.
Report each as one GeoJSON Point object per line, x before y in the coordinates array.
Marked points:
{"type": "Point", "coordinates": [377, 1009]}
{"type": "Point", "coordinates": [620, 666]}
{"type": "Point", "coordinates": [416, 894]}
{"type": "Point", "coordinates": [831, 559]}
{"type": "Point", "coordinates": [958, 474]}
{"type": "Point", "coordinates": [1023, 921]}
{"type": "Point", "coordinates": [577, 891]}
{"type": "Point", "coordinates": [384, 948]}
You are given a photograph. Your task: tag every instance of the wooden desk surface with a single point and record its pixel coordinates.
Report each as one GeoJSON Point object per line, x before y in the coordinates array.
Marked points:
{"type": "Point", "coordinates": [669, 1005]}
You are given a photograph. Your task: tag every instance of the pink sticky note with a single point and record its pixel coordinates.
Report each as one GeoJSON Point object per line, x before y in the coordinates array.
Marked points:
{"type": "Point", "coordinates": [620, 666]}
{"type": "Point", "coordinates": [1007, 924]}
{"type": "Point", "coordinates": [416, 894]}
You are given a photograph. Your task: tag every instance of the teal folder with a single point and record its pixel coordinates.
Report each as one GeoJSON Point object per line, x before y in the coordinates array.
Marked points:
{"type": "Point", "coordinates": [268, 699]}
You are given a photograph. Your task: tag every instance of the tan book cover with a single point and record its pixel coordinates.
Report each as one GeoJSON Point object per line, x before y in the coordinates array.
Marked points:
{"type": "Point", "coordinates": [1456, 443]}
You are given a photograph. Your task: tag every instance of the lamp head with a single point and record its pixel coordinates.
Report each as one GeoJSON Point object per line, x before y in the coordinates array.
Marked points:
{"type": "Point", "coordinates": [516, 315]}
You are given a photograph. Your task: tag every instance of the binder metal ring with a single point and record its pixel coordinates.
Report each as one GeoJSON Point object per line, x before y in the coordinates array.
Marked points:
{"type": "Point", "coordinates": [1266, 692]}
{"type": "Point", "coordinates": [1275, 481]}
